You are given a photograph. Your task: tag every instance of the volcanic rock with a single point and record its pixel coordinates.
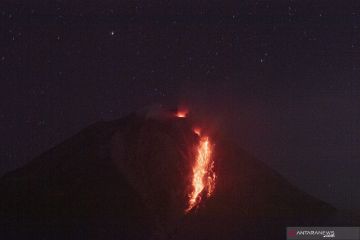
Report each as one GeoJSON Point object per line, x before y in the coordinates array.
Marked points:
{"type": "Point", "coordinates": [130, 179]}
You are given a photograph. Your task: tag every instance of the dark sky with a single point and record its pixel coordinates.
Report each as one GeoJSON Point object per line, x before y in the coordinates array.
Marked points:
{"type": "Point", "coordinates": [282, 77]}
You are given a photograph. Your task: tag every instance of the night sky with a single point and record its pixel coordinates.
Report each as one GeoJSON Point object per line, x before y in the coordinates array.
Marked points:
{"type": "Point", "coordinates": [281, 78]}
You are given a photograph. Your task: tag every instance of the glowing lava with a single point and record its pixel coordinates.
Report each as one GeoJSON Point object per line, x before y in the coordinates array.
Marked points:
{"type": "Point", "coordinates": [182, 113]}
{"type": "Point", "coordinates": [197, 131]}
{"type": "Point", "coordinates": [203, 173]}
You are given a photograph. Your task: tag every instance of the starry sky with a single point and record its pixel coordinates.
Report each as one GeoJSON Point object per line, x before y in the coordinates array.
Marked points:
{"type": "Point", "coordinates": [281, 77]}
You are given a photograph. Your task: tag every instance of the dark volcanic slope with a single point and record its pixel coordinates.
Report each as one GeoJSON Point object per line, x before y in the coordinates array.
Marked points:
{"type": "Point", "coordinates": [130, 178]}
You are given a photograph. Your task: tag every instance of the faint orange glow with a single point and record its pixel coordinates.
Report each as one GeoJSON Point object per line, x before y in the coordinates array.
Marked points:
{"type": "Point", "coordinates": [203, 173]}
{"type": "Point", "coordinates": [197, 131]}
{"type": "Point", "coordinates": [182, 113]}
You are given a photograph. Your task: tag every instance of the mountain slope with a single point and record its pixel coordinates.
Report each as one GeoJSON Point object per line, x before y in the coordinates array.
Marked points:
{"type": "Point", "coordinates": [130, 178]}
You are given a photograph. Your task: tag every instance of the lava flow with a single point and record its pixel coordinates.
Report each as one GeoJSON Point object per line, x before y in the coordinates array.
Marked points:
{"type": "Point", "coordinates": [203, 175]}
{"type": "Point", "coordinates": [203, 178]}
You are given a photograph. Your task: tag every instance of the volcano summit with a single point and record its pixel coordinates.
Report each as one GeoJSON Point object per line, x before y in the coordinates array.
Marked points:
{"type": "Point", "coordinates": [135, 177]}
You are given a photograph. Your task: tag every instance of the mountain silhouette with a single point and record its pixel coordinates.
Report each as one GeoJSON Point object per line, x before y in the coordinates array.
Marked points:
{"type": "Point", "coordinates": [130, 179]}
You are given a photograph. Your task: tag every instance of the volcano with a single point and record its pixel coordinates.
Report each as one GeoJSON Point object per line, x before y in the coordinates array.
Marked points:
{"type": "Point", "coordinates": [131, 178]}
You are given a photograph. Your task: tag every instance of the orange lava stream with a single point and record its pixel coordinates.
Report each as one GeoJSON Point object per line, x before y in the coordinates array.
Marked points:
{"type": "Point", "coordinates": [203, 173]}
